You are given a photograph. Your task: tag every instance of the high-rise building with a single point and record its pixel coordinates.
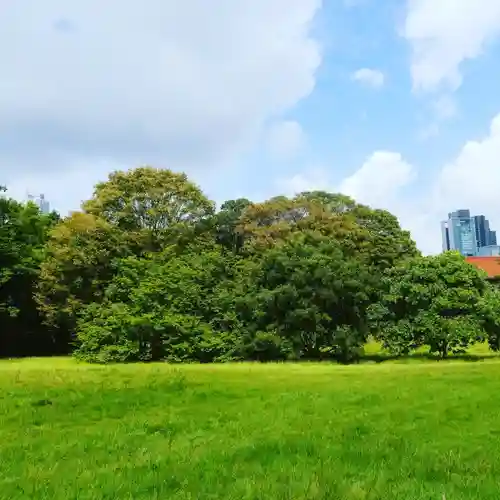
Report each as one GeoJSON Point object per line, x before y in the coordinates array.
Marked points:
{"type": "Point", "coordinates": [459, 233]}
{"type": "Point", "coordinates": [467, 234]}
{"type": "Point", "coordinates": [41, 202]}
{"type": "Point", "coordinates": [493, 238]}
{"type": "Point", "coordinates": [482, 230]}
{"type": "Point", "coordinates": [484, 235]}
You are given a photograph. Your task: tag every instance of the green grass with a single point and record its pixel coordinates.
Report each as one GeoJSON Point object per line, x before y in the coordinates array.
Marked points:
{"type": "Point", "coordinates": [248, 431]}
{"type": "Point", "coordinates": [476, 352]}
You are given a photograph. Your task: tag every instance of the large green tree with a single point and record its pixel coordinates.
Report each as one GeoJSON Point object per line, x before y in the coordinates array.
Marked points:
{"type": "Point", "coordinates": [373, 236]}
{"type": "Point", "coordinates": [133, 213]}
{"type": "Point", "coordinates": [226, 224]}
{"type": "Point", "coordinates": [149, 202]}
{"type": "Point", "coordinates": [302, 298]}
{"type": "Point", "coordinates": [435, 301]}
{"type": "Point", "coordinates": [159, 308]}
{"type": "Point", "coordinates": [77, 266]}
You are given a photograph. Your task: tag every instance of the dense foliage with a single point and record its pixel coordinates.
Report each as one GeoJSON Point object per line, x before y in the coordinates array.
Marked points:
{"type": "Point", "coordinates": [438, 302]}
{"type": "Point", "coordinates": [23, 235]}
{"type": "Point", "coordinates": [149, 270]}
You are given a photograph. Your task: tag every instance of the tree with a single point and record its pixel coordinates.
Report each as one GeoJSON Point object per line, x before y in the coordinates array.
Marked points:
{"type": "Point", "coordinates": [489, 314]}
{"type": "Point", "coordinates": [304, 298]}
{"type": "Point", "coordinates": [23, 232]}
{"type": "Point", "coordinates": [434, 301]}
{"type": "Point", "coordinates": [263, 225]}
{"type": "Point", "coordinates": [334, 203]}
{"type": "Point", "coordinates": [158, 308]}
{"type": "Point", "coordinates": [131, 214]}
{"type": "Point", "coordinates": [78, 266]}
{"type": "Point", "coordinates": [388, 243]}
{"type": "Point", "coordinates": [149, 202]}
{"type": "Point", "coordinates": [374, 236]}
{"type": "Point", "coordinates": [226, 222]}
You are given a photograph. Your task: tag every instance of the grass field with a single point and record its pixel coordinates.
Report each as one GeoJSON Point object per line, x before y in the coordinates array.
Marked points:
{"type": "Point", "coordinates": [294, 431]}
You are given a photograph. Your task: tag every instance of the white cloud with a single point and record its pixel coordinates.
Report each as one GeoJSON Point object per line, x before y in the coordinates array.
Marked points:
{"type": "Point", "coordinates": [372, 77]}
{"type": "Point", "coordinates": [473, 177]}
{"type": "Point", "coordinates": [285, 139]}
{"type": "Point", "coordinates": [312, 179]}
{"type": "Point", "coordinates": [470, 180]}
{"type": "Point", "coordinates": [180, 84]}
{"type": "Point", "coordinates": [444, 34]}
{"type": "Point", "coordinates": [377, 181]}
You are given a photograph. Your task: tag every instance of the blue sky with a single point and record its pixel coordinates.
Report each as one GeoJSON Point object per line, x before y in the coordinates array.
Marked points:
{"type": "Point", "coordinates": [394, 103]}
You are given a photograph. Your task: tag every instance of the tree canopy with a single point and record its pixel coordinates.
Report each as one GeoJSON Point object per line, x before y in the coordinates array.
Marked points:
{"type": "Point", "coordinates": [149, 270]}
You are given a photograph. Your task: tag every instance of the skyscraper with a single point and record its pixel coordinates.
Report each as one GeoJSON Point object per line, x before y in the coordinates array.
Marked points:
{"type": "Point", "coordinates": [482, 230]}
{"type": "Point", "coordinates": [493, 238]}
{"type": "Point", "coordinates": [459, 233]}
{"type": "Point", "coordinates": [42, 203]}
{"type": "Point", "coordinates": [467, 234]}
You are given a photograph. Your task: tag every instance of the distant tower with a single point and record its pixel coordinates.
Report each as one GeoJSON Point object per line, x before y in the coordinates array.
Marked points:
{"type": "Point", "coordinates": [470, 235]}
{"type": "Point", "coordinates": [41, 202]}
{"type": "Point", "coordinates": [459, 233]}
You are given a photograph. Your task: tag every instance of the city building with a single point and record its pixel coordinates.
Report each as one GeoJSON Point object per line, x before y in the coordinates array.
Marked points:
{"type": "Point", "coordinates": [42, 203]}
{"type": "Point", "coordinates": [459, 233]}
{"type": "Point", "coordinates": [484, 236]}
{"type": "Point", "coordinates": [493, 238]}
{"type": "Point", "coordinates": [470, 235]}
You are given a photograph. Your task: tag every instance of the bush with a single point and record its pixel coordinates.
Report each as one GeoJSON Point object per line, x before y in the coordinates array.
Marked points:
{"type": "Point", "coordinates": [114, 333]}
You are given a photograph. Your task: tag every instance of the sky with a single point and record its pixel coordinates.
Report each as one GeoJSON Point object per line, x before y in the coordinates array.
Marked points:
{"type": "Point", "coordinates": [393, 102]}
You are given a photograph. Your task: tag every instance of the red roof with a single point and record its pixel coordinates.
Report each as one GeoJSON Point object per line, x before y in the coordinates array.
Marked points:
{"type": "Point", "coordinates": [489, 264]}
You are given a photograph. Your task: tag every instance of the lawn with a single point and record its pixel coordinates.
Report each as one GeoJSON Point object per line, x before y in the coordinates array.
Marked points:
{"type": "Point", "coordinates": [248, 431]}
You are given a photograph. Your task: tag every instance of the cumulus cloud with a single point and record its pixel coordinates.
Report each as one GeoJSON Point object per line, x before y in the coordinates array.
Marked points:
{"type": "Point", "coordinates": [444, 34]}
{"type": "Point", "coordinates": [285, 139]}
{"type": "Point", "coordinates": [311, 179]}
{"type": "Point", "coordinates": [375, 183]}
{"type": "Point", "coordinates": [371, 77]}
{"type": "Point", "coordinates": [182, 84]}
{"type": "Point", "coordinates": [379, 179]}
{"type": "Point", "coordinates": [473, 177]}
{"type": "Point", "coordinates": [386, 180]}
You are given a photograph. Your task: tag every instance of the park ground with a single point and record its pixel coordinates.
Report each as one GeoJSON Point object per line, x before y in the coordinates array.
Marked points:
{"type": "Point", "coordinates": [409, 431]}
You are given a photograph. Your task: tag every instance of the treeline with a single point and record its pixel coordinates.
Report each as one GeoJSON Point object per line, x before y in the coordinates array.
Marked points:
{"type": "Point", "coordinates": [150, 270]}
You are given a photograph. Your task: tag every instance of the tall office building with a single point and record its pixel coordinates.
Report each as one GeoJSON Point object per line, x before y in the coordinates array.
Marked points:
{"type": "Point", "coordinates": [484, 235]}
{"type": "Point", "coordinates": [467, 234]}
{"type": "Point", "coordinates": [493, 238]}
{"type": "Point", "coordinates": [42, 203]}
{"type": "Point", "coordinates": [459, 233]}
{"type": "Point", "coordinates": [482, 230]}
